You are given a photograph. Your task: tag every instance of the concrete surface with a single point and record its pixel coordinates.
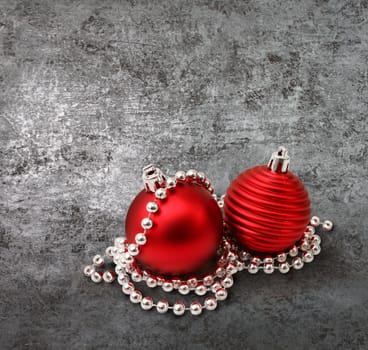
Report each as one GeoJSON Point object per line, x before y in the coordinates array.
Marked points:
{"type": "Point", "coordinates": [91, 91]}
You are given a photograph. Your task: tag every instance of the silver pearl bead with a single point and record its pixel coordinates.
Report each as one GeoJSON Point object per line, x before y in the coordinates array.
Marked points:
{"type": "Point", "coordinates": [221, 294]}
{"type": "Point", "coordinates": [96, 277]}
{"type": "Point", "coordinates": [114, 250]}
{"type": "Point", "coordinates": [176, 282]}
{"type": "Point", "coordinates": [316, 249]}
{"type": "Point", "coordinates": [298, 263]}
{"type": "Point", "coordinates": [179, 308]}
{"type": "Point", "coordinates": [268, 260]}
{"type": "Point", "coordinates": [284, 267]}
{"type": "Point", "coordinates": [123, 279]}
{"type": "Point", "coordinates": [315, 240]}
{"type": "Point", "coordinates": [310, 230]}
{"type": "Point", "coordinates": [308, 256]}
{"type": "Point", "coordinates": [146, 223]}
{"type": "Point", "coordinates": [119, 251]}
{"type": "Point", "coordinates": [136, 296]}
{"type": "Point", "coordinates": [293, 251]}
{"type": "Point", "coordinates": [119, 270]}
{"type": "Point", "coordinates": [201, 176]}
{"type": "Point", "coordinates": [207, 184]}
{"type": "Point", "coordinates": [227, 282]}
{"type": "Point", "coordinates": [160, 193]}
{"type": "Point", "coordinates": [98, 260]}
{"type": "Point", "coordinates": [128, 258]}
{"type": "Point", "coordinates": [108, 276]}
{"type": "Point", "coordinates": [201, 289]}
{"type": "Point", "coordinates": [215, 287]}
{"type": "Point", "coordinates": [304, 245]}
{"type": "Point", "coordinates": [307, 235]}
{"type": "Point", "coordinates": [192, 282]}
{"type": "Point", "coordinates": [220, 203]}
{"type": "Point", "coordinates": [129, 268]}
{"type": "Point", "coordinates": [162, 306]}
{"type": "Point", "coordinates": [122, 262]}
{"type": "Point", "coordinates": [119, 260]}
{"type": "Point", "coordinates": [253, 268]}
{"type": "Point", "coordinates": [226, 245]}
{"type": "Point", "coordinates": [136, 276]}
{"type": "Point", "coordinates": [191, 174]}
{"type": "Point", "coordinates": [127, 288]}
{"type": "Point", "coordinates": [256, 260]}
{"type": "Point", "coordinates": [151, 282]}
{"type": "Point", "coordinates": [327, 225]}
{"type": "Point", "coordinates": [180, 175]}
{"type": "Point", "coordinates": [152, 207]}
{"type": "Point", "coordinates": [170, 182]}
{"type": "Point", "coordinates": [220, 272]}
{"type": "Point", "coordinates": [140, 239]}
{"type": "Point", "coordinates": [243, 255]}
{"type": "Point", "coordinates": [160, 280]}
{"type": "Point", "coordinates": [240, 266]}
{"type": "Point", "coordinates": [146, 303]}
{"type": "Point", "coordinates": [167, 286]}
{"type": "Point", "coordinates": [184, 289]}
{"type": "Point", "coordinates": [231, 269]}
{"type": "Point", "coordinates": [111, 251]}
{"type": "Point", "coordinates": [195, 308]}
{"type": "Point", "coordinates": [88, 270]}
{"type": "Point", "coordinates": [207, 280]}
{"type": "Point", "coordinates": [281, 257]}
{"type": "Point", "coordinates": [268, 268]}
{"type": "Point", "coordinates": [119, 242]}
{"type": "Point", "coordinates": [133, 249]}
{"type": "Point", "coordinates": [210, 304]}
{"type": "Point", "coordinates": [315, 221]}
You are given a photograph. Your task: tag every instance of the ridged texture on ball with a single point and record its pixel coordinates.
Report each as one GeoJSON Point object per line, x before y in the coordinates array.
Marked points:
{"type": "Point", "coordinates": [267, 211]}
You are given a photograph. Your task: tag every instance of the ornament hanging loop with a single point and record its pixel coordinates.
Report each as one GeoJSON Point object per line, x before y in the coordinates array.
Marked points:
{"type": "Point", "coordinates": [280, 161]}
{"type": "Point", "coordinates": [153, 178]}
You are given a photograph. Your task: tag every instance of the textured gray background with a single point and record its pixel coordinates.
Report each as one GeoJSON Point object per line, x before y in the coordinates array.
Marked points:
{"type": "Point", "coordinates": [93, 90]}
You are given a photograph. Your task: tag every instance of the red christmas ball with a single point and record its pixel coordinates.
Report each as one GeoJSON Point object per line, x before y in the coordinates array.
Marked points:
{"type": "Point", "coordinates": [186, 231]}
{"type": "Point", "coordinates": [267, 208]}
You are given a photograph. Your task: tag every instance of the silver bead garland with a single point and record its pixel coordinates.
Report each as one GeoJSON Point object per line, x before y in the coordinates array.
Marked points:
{"type": "Point", "coordinates": [230, 260]}
{"type": "Point", "coordinates": [304, 252]}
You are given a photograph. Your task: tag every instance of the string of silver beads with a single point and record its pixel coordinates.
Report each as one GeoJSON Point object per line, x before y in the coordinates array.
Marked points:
{"type": "Point", "coordinates": [230, 260]}
{"type": "Point", "coordinates": [127, 271]}
{"type": "Point", "coordinates": [304, 252]}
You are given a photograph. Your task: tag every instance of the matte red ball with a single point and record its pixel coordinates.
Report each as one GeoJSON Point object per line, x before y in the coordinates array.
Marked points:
{"type": "Point", "coordinates": [186, 232]}
{"type": "Point", "coordinates": [267, 211]}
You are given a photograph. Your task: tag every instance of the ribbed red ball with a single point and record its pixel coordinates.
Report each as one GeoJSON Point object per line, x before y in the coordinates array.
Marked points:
{"type": "Point", "coordinates": [186, 232]}
{"type": "Point", "coordinates": [267, 211]}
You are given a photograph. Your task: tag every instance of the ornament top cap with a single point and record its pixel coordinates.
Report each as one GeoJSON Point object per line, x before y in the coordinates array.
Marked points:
{"type": "Point", "coordinates": [280, 161]}
{"type": "Point", "coordinates": [152, 177]}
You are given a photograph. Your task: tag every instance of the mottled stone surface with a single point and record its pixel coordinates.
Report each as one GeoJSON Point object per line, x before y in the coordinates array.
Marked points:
{"type": "Point", "coordinates": [90, 91]}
